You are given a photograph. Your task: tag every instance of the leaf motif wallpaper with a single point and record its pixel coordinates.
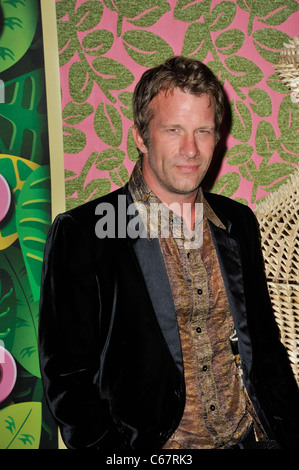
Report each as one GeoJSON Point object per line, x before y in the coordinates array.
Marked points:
{"type": "Point", "coordinates": [105, 46]}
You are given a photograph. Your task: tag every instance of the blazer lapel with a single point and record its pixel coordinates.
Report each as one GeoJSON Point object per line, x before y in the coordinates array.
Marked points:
{"type": "Point", "coordinates": [152, 266]}
{"type": "Point", "coordinates": [230, 262]}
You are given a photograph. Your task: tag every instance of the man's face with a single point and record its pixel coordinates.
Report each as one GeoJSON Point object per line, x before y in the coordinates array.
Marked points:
{"type": "Point", "coordinates": [181, 144]}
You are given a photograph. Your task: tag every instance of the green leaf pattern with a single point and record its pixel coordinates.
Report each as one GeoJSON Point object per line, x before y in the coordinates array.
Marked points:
{"type": "Point", "coordinates": [24, 156]}
{"type": "Point", "coordinates": [20, 426]}
{"type": "Point", "coordinates": [25, 319]}
{"type": "Point", "coordinates": [105, 46]}
{"type": "Point", "coordinates": [23, 119]}
{"type": "Point", "coordinates": [20, 21]}
{"type": "Point", "coordinates": [33, 219]}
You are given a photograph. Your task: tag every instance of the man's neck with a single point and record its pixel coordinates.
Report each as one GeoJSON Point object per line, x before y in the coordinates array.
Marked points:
{"type": "Point", "coordinates": [181, 204]}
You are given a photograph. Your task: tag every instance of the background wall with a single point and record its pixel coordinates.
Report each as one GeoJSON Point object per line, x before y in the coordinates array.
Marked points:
{"type": "Point", "coordinates": [105, 46]}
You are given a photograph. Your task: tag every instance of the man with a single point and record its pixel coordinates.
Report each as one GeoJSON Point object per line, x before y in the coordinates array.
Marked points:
{"type": "Point", "coordinates": [152, 342]}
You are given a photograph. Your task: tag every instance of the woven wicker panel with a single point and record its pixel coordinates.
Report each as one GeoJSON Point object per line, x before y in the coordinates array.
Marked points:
{"type": "Point", "coordinates": [278, 217]}
{"type": "Point", "coordinates": [288, 67]}
{"type": "Point", "coordinates": [285, 301]}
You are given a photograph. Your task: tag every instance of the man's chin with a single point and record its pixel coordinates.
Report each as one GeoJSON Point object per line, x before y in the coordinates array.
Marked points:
{"type": "Point", "coordinates": [184, 191]}
{"type": "Point", "coordinates": [186, 188]}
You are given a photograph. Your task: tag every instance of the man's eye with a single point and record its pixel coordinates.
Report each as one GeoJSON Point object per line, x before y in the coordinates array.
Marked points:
{"type": "Point", "coordinates": [205, 132]}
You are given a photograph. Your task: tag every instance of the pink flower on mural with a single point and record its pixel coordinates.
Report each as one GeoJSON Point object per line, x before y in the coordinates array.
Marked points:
{"type": "Point", "coordinates": [5, 197]}
{"type": "Point", "coordinates": [8, 373]}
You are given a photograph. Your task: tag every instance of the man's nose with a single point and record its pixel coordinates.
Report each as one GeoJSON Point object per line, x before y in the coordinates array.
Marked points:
{"type": "Point", "coordinates": [189, 147]}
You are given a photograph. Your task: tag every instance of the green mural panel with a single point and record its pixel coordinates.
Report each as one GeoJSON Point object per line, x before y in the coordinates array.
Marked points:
{"type": "Point", "coordinates": [25, 217]}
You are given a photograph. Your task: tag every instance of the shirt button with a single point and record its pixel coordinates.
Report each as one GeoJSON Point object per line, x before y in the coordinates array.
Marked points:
{"type": "Point", "coordinates": [198, 329]}
{"type": "Point", "coordinates": [175, 445]}
{"type": "Point", "coordinates": [199, 291]}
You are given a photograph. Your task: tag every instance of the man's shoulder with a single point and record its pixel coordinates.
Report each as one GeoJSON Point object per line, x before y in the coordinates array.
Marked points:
{"type": "Point", "coordinates": [229, 209]}
{"type": "Point", "coordinates": [225, 203]}
{"type": "Point", "coordinates": [88, 209]}
{"type": "Point", "coordinates": [83, 218]}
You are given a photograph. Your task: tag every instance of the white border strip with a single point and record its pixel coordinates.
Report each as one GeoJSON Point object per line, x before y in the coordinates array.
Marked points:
{"type": "Point", "coordinates": [48, 14]}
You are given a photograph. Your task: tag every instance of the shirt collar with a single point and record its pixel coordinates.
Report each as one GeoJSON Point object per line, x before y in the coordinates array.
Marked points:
{"type": "Point", "coordinates": [147, 202]}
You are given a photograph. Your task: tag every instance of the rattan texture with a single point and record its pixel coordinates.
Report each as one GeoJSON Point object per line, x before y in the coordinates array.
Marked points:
{"type": "Point", "coordinates": [278, 218]}
{"type": "Point", "coordinates": [288, 67]}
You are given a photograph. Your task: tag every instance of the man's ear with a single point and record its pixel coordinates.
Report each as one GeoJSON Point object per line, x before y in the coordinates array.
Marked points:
{"type": "Point", "coordinates": [138, 140]}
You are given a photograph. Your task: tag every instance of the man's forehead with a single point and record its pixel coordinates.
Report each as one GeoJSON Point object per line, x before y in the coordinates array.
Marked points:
{"type": "Point", "coordinates": [173, 94]}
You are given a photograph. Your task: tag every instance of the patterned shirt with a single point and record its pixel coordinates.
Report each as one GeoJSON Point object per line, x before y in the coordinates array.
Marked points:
{"type": "Point", "coordinates": [218, 411]}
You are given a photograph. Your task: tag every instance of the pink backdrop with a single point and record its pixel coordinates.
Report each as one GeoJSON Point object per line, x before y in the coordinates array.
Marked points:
{"type": "Point", "coordinates": [239, 40]}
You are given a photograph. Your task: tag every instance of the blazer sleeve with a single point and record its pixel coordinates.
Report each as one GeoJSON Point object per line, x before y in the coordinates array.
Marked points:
{"type": "Point", "coordinates": [68, 339]}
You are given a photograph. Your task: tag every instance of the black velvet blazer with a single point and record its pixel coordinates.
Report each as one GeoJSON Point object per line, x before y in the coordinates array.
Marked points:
{"type": "Point", "coordinates": [110, 351]}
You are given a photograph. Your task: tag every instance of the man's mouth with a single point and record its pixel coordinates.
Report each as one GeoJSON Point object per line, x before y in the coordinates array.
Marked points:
{"type": "Point", "coordinates": [187, 168]}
